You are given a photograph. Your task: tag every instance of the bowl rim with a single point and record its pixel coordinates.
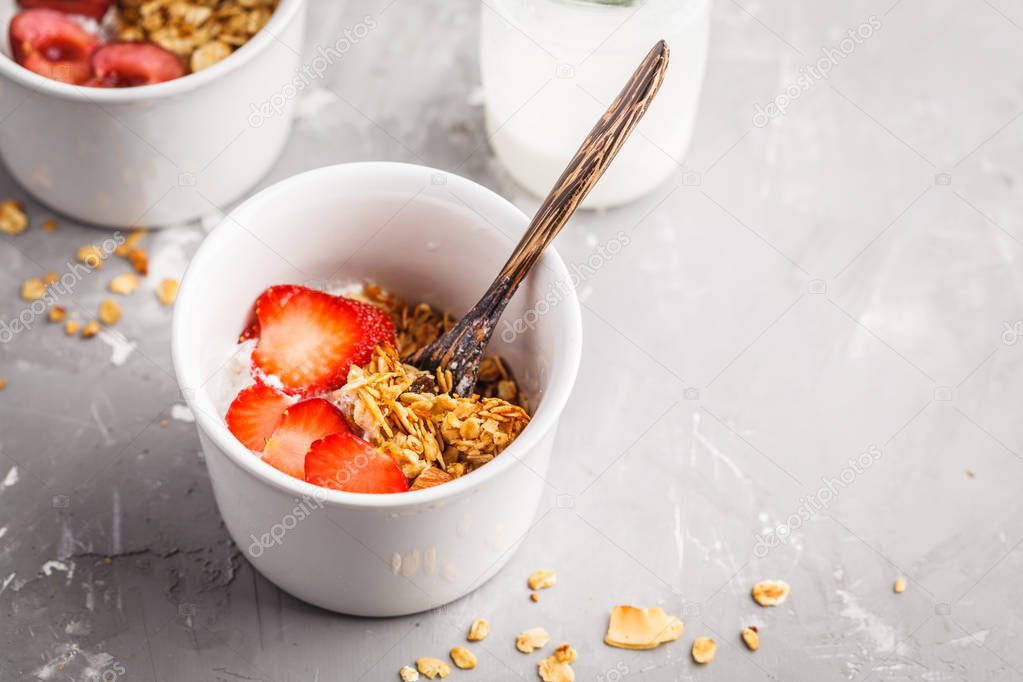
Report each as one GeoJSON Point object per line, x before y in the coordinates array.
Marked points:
{"type": "Point", "coordinates": [560, 382]}
{"type": "Point", "coordinates": [281, 17]}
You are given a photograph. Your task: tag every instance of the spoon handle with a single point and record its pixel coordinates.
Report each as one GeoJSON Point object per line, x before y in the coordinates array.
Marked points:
{"type": "Point", "coordinates": [594, 156]}
{"type": "Point", "coordinates": [460, 350]}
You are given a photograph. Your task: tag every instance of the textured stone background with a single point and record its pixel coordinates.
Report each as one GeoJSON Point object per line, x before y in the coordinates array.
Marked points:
{"type": "Point", "coordinates": [837, 282]}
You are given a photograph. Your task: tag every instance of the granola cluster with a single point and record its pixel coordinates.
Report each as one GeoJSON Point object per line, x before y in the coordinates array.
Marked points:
{"type": "Point", "coordinates": [200, 32]}
{"type": "Point", "coordinates": [424, 431]}
{"type": "Point", "coordinates": [433, 436]}
{"type": "Point", "coordinates": [420, 325]}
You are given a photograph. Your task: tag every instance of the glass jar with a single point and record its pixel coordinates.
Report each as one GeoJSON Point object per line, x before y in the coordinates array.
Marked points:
{"type": "Point", "coordinates": [550, 68]}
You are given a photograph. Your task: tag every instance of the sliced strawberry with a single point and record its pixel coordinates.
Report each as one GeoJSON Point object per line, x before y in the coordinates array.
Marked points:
{"type": "Point", "coordinates": [309, 339]}
{"type": "Point", "coordinates": [50, 44]}
{"type": "Point", "coordinates": [302, 424]}
{"type": "Point", "coordinates": [127, 65]}
{"type": "Point", "coordinates": [255, 414]}
{"type": "Point", "coordinates": [94, 9]}
{"type": "Point", "coordinates": [251, 331]}
{"type": "Point", "coordinates": [344, 461]}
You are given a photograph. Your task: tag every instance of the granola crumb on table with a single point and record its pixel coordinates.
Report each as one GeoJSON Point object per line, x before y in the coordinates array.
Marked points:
{"type": "Point", "coordinates": [704, 650]}
{"type": "Point", "coordinates": [751, 637]}
{"type": "Point", "coordinates": [109, 311]}
{"type": "Point", "coordinates": [463, 658]}
{"type": "Point", "coordinates": [124, 284]}
{"type": "Point", "coordinates": [557, 667]}
{"type": "Point", "coordinates": [532, 639]}
{"type": "Point", "coordinates": [770, 592]}
{"type": "Point", "coordinates": [542, 578]}
{"type": "Point", "coordinates": [32, 289]}
{"type": "Point", "coordinates": [479, 630]}
{"type": "Point", "coordinates": [433, 667]}
{"type": "Point", "coordinates": [90, 329]}
{"type": "Point", "coordinates": [12, 217]}
{"type": "Point", "coordinates": [167, 291]}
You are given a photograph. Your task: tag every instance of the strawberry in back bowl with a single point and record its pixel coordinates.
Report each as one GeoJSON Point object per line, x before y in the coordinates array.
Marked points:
{"type": "Point", "coordinates": [388, 553]}
{"type": "Point", "coordinates": [51, 44]}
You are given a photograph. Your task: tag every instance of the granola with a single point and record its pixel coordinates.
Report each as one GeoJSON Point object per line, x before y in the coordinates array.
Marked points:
{"type": "Point", "coordinates": [91, 256]}
{"type": "Point", "coordinates": [419, 325]}
{"type": "Point", "coordinates": [124, 284]}
{"type": "Point", "coordinates": [479, 630]}
{"type": "Point", "coordinates": [531, 640]}
{"type": "Point", "coordinates": [631, 627]}
{"type": "Point", "coordinates": [704, 649]}
{"type": "Point", "coordinates": [542, 578]}
{"type": "Point", "coordinates": [420, 429]}
{"type": "Point", "coordinates": [89, 329]}
{"type": "Point", "coordinates": [12, 217]}
{"type": "Point", "coordinates": [770, 592]}
{"type": "Point", "coordinates": [167, 291]}
{"type": "Point", "coordinates": [200, 32]}
{"type": "Point", "coordinates": [109, 311]}
{"type": "Point", "coordinates": [557, 667]}
{"type": "Point", "coordinates": [751, 637]}
{"type": "Point", "coordinates": [463, 658]}
{"type": "Point", "coordinates": [32, 289]}
{"type": "Point", "coordinates": [433, 667]}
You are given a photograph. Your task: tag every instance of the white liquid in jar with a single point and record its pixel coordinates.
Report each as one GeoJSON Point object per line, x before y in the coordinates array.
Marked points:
{"type": "Point", "coordinates": [550, 69]}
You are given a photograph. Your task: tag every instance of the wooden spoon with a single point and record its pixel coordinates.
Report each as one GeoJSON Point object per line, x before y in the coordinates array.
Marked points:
{"type": "Point", "coordinates": [460, 350]}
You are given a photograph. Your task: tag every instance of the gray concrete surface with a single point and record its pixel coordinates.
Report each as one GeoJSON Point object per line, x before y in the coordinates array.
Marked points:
{"type": "Point", "coordinates": [834, 283]}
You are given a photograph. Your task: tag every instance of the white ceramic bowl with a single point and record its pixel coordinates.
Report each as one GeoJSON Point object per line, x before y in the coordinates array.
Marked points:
{"type": "Point", "coordinates": [429, 236]}
{"type": "Point", "coordinates": [158, 154]}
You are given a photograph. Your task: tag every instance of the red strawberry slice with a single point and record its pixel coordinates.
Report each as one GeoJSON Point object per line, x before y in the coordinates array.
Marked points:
{"type": "Point", "coordinates": [50, 44]}
{"type": "Point", "coordinates": [94, 9]}
{"type": "Point", "coordinates": [127, 65]}
{"type": "Point", "coordinates": [255, 414]}
{"type": "Point", "coordinates": [308, 339]}
{"type": "Point", "coordinates": [251, 331]}
{"type": "Point", "coordinates": [344, 461]}
{"type": "Point", "coordinates": [302, 424]}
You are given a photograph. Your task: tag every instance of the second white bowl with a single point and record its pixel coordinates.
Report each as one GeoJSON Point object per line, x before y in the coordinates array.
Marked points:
{"type": "Point", "coordinates": [426, 235]}
{"type": "Point", "coordinates": [158, 154]}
